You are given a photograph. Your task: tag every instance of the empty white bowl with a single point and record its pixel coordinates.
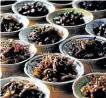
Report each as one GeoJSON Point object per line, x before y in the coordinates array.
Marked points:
{"type": "Point", "coordinates": [48, 5]}
{"type": "Point", "coordinates": [97, 14]}
{"type": "Point", "coordinates": [42, 87]}
{"type": "Point", "coordinates": [23, 35]}
{"type": "Point", "coordinates": [21, 19]}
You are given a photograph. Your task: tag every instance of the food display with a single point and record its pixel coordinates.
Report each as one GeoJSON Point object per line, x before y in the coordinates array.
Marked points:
{"type": "Point", "coordinates": [61, 2]}
{"type": "Point", "coordinates": [13, 52]}
{"type": "Point", "coordinates": [100, 30]}
{"type": "Point", "coordinates": [9, 24]}
{"type": "Point", "coordinates": [44, 35]}
{"type": "Point", "coordinates": [93, 5]}
{"type": "Point", "coordinates": [87, 48]}
{"type": "Point", "coordinates": [33, 9]}
{"type": "Point", "coordinates": [6, 2]}
{"type": "Point", "coordinates": [21, 89]}
{"type": "Point", "coordinates": [55, 68]}
{"type": "Point", "coordinates": [95, 88]}
{"type": "Point", "coordinates": [69, 19]}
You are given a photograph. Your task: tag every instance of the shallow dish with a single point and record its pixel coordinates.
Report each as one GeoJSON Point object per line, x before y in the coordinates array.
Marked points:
{"type": "Point", "coordinates": [88, 17]}
{"type": "Point", "coordinates": [12, 67]}
{"type": "Point", "coordinates": [97, 14]}
{"type": "Point", "coordinates": [77, 85]}
{"type": "Point", "coordinates": [64, 46]}
{"type": "Point", "coordinates": [28, 69]}
{"type": "Point", "coordinates": [89, 27]}
{"type": "Point", "coordinates": [21, 19]}
{"type": "Point", "coordinates": [39, 84]}
{"type": "Point", "coordinates": [23, 35]}
{"type": "Point", "coordinates": [49, 6]}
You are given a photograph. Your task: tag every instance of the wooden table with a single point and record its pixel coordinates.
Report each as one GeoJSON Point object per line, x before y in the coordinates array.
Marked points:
{"type": "Point", "coordinates": [63, 91]}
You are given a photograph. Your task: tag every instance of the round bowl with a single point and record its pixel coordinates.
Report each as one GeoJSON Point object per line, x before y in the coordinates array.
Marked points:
{"type": "Point", "coordinates": [21, 19]}
{"type": "Point", "coordinates": [89, 27]}
{"type": "Point", "coordinates": [12, 67]}
{"type": "Point", "coordinates": [42, 87]}
{"type": "Point", "coordinates": [28, 69]}
{"type": "Point", "coordinates": [65, 47]}
{"type": "Point", "coordinates": [23, 35]}
{"type": "Point", "coordinates": [88, 17]}
{"type": "Point", "coordinates": [77, 85]}
{"type": "Point", "coordinates": [58, 5]}
{"type": "Point", "coordinates": [97, 14]}
{"type": "Point", "coordinates": [6, 8]}
{"type": "Point", "coordinates": [49, 6]}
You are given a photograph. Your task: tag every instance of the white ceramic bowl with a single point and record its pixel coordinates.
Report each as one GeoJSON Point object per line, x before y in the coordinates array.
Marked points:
{"type": "Point", "coordinates": [81, 81]}
{"type": "Point", "coordinates": [97, 14]}
{"type": "Point", "coordinates": [21, 19]}
{"type": "Point", "coordinates": [12, 67]}
{"type": "Point", "coordinates": [42, 87]}
{"type": "Point", "coordinates": [65, 46]}
{"type": "Point", "coordinates": [57, 5]}
{"type": "Point", "coordinates": [23, 35]}
{"type": "Point", "coordinates": [30, 64]}
{"type": "Point", "coordinates": [49, 6]}
{"type": "Point", "coordinates": [6, 8]}
{"type": "Point", "coordinates": [89, 27]}
{"type": "Point", "coordinates": [88, 17]}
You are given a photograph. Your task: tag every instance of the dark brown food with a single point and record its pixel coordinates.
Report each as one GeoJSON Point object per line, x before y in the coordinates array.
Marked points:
{"type": "Point", "coordinates": [33, 9]}
{"type": "Point", "coordinates": [61, 2]}
{"type": "Point", "coordinates": [95, 88]}
{"type": "Point", "coordinates": [13, 52]}
{"type": "Point", "coordinates": [54, 68]}
{"type": "Point", "coordinates": [100, 30]}
{"type": "Point", "coordinates": [69, 19]}
{"type": "Point", "coordinates": [9, 24]}
{"type": "Point", "coordinates": [93, 5]}
{"type": "Point", "coordinates": [87, 48]}
{"type": "Point", "coordinates": [21, 89]}
{"type": "Point", "coordinates": [44, 35]}
{"type": "Point", "coordinates": [7, 2]}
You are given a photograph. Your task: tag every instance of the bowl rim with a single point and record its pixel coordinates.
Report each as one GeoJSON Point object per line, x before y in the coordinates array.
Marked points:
{"type": "Point", "coordinates": [32, 17]}
{"type": "Point", "coordinates": [60, 4]}
{"type": "Point", "coordinates": [9, 5]}
{"type": "Point", "coordinates": [30, 80]}
{"type": "Point", "coordinates": [66, 9]}
{"type": "Point", "coordinates": [47, 24]}
{"type": "Point", "coordinates": [77, 62]}
{"type": "Point", "coordinates": [74, 84]}
{"type": "Point", "coordinates": [92, 11]}
{"type": "Point", "coordinates": [90, 23]}
{"type": "Point", "coordinates": [80, 36]}
{"type": "Point", "coordinates": [22, 17]}
{"type": "Point", "coordinates": [31, 55]}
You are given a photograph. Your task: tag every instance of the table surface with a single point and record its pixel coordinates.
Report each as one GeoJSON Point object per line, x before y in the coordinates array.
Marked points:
{"type": "Point", "coordinates": [63, 91]}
